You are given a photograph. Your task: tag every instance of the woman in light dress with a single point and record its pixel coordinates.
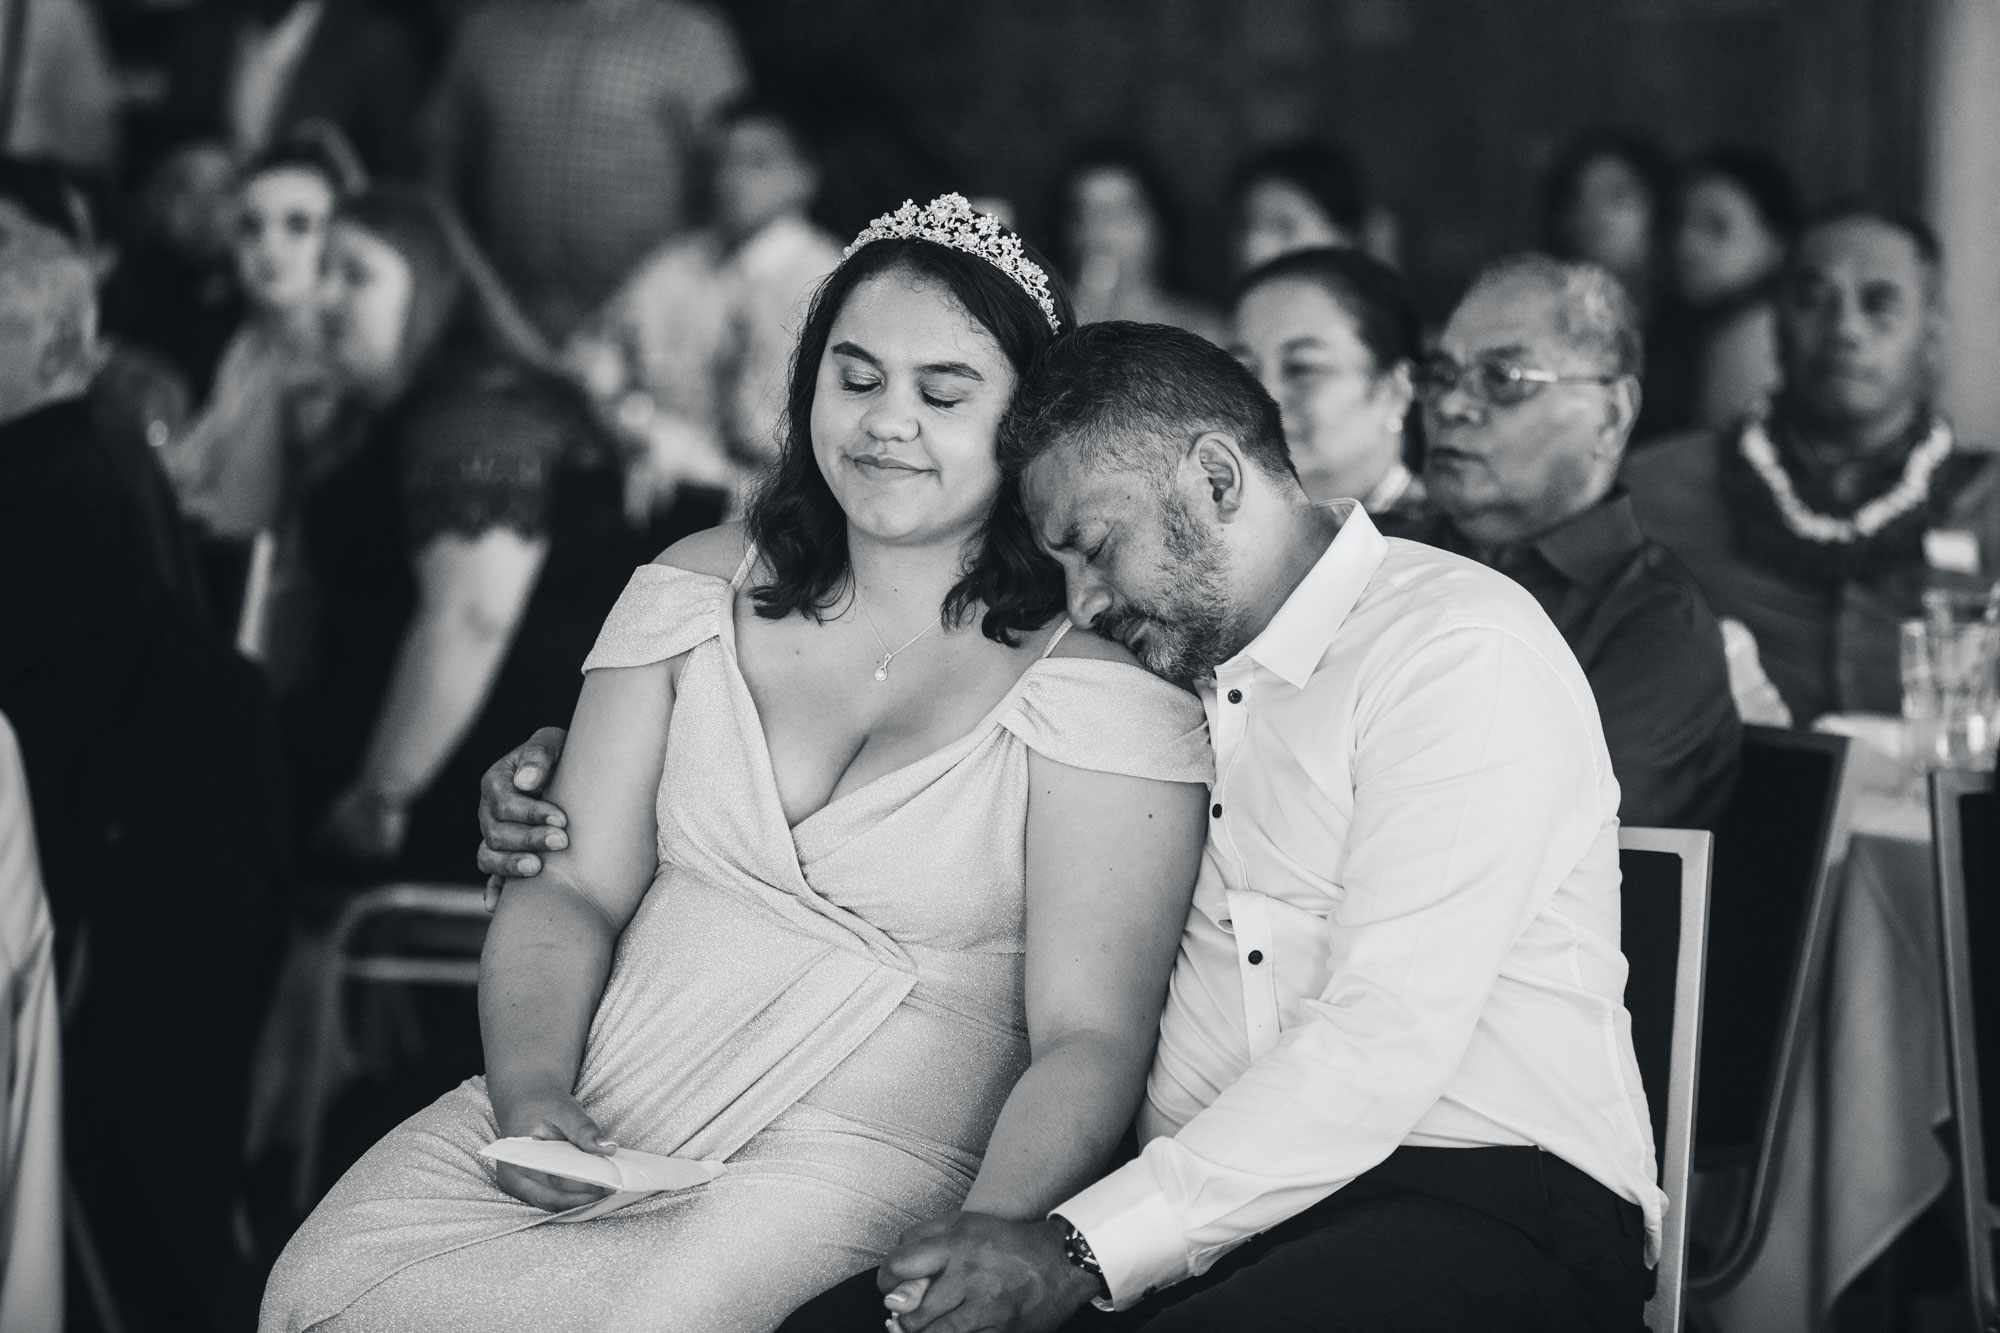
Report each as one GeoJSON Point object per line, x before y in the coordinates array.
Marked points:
{"type": "Point", "coordinates": [874, 871]}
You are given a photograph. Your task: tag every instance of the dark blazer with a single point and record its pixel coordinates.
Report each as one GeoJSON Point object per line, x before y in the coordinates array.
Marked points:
{"type": "Point", "coordinates": [153, 770]}
{"type": "Point", "coordinates": [361, 71]}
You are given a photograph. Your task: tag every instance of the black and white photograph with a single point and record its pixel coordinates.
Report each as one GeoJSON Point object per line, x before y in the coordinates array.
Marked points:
{"type": "Point", "coordinates": [999, 666]}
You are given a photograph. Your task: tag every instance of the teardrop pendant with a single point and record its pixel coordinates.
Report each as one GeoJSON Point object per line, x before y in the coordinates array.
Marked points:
{"type": "Point", "coordinates": [882, 669]}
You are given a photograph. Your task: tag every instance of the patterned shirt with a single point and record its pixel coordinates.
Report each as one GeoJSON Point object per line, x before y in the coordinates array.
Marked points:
{"type": "Point", "coordinates": [566, 130]}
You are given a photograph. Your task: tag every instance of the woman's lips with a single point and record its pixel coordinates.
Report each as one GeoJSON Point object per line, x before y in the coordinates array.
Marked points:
{"type": "Point", "coordinates": [889, 466]}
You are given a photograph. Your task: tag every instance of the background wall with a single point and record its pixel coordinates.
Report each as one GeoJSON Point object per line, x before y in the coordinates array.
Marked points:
{"type": "Point", "coordinates": [1453, 107]}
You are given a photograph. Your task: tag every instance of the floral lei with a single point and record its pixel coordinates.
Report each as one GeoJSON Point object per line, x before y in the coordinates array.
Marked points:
{"type": "Point", "coordinates": [1779, 526]}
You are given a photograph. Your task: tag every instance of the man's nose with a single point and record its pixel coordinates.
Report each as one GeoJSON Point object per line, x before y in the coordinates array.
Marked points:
{"type": "Point", "coordinates": [1088, 597]}
{"type": "Point", "coordinates": [1845, 322]}
{"type": "Point", "coordinates": [1457, 406]}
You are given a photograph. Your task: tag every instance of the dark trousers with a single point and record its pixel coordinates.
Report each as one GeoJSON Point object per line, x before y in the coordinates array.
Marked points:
{"type": "Point", "coordinates": [1433, 1240]}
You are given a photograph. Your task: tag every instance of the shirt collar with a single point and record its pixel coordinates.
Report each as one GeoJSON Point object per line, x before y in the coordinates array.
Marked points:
{"type": "Point", "coordinates": [1594, 545]}
{"type": "Point", "coordinates": [1293, 643]}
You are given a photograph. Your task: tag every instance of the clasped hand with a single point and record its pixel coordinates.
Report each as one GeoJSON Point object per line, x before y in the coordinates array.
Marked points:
{"type": "Point", "coordinates": [985, 1272]}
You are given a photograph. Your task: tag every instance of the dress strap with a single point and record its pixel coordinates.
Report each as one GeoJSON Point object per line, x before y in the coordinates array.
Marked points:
{"type": "Point", "coordinates": [743, 570]}
{"type": "Point", "coordinates": [1057, 637]}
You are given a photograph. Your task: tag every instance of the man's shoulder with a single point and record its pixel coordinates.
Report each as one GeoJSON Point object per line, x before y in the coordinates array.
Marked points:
{"type": "Point", "coordinates": [1676, 489]}
{"type": "Point", "coordinates": [1426, 591]}
{"type": "Point", "coordinates": [1689, 460]}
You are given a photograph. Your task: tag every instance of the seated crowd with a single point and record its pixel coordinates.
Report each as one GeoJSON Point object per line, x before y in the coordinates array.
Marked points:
{"type": "Point", "coordinates": [1046, 703]}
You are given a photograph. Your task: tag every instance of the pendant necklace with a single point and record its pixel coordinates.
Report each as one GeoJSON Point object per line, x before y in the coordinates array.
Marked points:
{"type": "Point", "coordinates": [888, 653]}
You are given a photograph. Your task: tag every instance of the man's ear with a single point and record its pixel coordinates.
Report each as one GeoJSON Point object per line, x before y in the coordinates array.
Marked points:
{"type": "Point", "coordinates": [1622, 399]}
{"type": "Point", "coordinates": [1222, 467]}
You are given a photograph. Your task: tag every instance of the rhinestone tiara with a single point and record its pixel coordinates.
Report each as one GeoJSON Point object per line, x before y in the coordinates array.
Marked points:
{"type": "Point", "coordinates": [950, 220]}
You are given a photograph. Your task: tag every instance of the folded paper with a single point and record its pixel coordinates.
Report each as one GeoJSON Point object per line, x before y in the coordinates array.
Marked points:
{"type": "Point", "coordinates": [626, 1171]}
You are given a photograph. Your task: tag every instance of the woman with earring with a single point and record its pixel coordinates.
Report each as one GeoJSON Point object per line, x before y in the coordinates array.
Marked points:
{"type": "Point", "coordinates": [1333, 335]}
{"type": "Point", "coordinates": [881, 869]}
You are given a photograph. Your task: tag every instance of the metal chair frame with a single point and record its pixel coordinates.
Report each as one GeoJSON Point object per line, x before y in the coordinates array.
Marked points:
{"type": "Point", "coordinates": [1978, 1215]}
{"type": "Point", "coordinates": [437, 900]}
{"type": "Point", "coordinates": [1808, 968]}
{"type": "Point", "coordinates": [1695, 851]}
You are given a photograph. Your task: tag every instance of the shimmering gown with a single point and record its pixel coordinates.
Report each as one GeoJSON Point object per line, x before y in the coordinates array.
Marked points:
{"type": "Point", "coordinates": [835, 1009]}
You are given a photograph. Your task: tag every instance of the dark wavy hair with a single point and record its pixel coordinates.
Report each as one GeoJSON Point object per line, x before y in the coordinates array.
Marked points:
{"type": "Point", "coordinates": [1379, 301]}
{"type": "Point", "coordinates": [799, 527]}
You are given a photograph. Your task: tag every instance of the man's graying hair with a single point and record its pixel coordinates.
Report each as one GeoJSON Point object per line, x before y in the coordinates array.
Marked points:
{"type": "Point", "coordinates": [1594, 314]}
{"type": "Point", "coordinates": [1134, 396]}
{"type": "Point", "coordinates": [48, 297]}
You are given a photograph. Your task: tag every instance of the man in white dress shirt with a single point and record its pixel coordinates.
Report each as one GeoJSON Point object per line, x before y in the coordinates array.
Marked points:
{"type": "Point", "coordinates": [1395, 1085]}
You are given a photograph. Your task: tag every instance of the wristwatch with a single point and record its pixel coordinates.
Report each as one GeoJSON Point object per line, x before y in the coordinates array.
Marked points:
{"type": "Point", "coordinates": [1077, 1250]}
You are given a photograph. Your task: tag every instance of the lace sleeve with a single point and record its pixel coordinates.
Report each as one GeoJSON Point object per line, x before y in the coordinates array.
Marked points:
{"type": "Point", "coordinates": [477, 460]}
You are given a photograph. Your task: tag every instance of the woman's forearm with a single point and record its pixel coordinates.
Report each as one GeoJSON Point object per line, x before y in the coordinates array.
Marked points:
{"type": "Point", "coordinates": [444, 671]}
{"type": "Point", "coordinates": [472, 595]}
{"type": "Point", "coordinates": [1059, 1126]}
{"type": "Point", "coordinates": [547, 956]}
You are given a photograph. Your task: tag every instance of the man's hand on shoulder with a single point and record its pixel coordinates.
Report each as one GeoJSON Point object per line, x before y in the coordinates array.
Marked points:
{"type": "Point", "coordinates": [513, 825]}
{"type": "Point", "coordinates": [988, 1273]}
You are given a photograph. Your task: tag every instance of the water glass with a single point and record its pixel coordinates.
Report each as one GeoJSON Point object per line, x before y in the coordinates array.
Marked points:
{"type": "Point", "coordinates": [1950, 663]}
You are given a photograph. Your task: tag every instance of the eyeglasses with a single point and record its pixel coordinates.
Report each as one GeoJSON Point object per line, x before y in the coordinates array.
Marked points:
{"type": "Point", "coordinates": [1492, 379]}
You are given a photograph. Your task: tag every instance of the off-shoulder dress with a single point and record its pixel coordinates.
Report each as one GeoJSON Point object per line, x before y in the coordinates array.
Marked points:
{"type": "Point", "coordinates": [834, 1009]}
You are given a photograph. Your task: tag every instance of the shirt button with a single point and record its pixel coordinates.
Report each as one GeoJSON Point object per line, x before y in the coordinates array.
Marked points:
{"type": "Point", "coordinates": [1256, 957]}
{"type": "Point", "coordinates": [1215, 812]}
{"type": "Point", "coordinates": [1236, 696]}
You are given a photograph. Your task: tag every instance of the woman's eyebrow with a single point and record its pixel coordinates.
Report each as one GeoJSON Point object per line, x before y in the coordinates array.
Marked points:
{"type": "Point", "coordinates": [958, 368]}
{"type": "Point", "coordinates": [857, 352]}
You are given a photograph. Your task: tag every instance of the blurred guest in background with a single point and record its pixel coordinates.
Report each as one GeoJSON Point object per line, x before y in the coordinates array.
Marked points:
{"type": "Point", "coordinates": [175, 290]}
{"type": "Point", "coordinates": [249, 72]}
{"type": "Point", "coordinates": [688, 361]}
{"type": "Point", "coordinates": [273, 388]}
{"type": "Point", "coordinates": [1119, 233]}
{"type": "Point", "coordinates": [467, 498]}
{"type": "Point", "coordinates": [58, 91]}
{"type": "Point", "coordinates": [1528, 403]}
{"type": "Point", "coordinates": [1715, 355]}
{"type": "Point", "coordinates": [136, 396]}
{"type": "Point", "coordinates": [1609, 201]}
{"type": "Point", "coordinates": [1820, 523]}
{"type": "Point", "coordinates": [1295, 196]}
{"type": "Point", "coordinates": [568, 132]}
{"type": "Point", "coordinates": [136, 724]}
{"type": "Point", "coordinates": [1334, 337]}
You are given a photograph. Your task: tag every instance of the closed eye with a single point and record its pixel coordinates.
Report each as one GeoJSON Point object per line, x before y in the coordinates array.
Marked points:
{"type": "Point", "coordinates": [936, 401]}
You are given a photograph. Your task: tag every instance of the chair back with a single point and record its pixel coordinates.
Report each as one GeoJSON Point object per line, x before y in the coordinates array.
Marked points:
{"type": "Point", "coordinates": [1965, 821]}
{"type": "Point", "coordinates": [1663, 910]}
{"type": "Point", "coordinates": [396, 935]}
{"type": "Point", "coordinates": [1777, 848]}
{"type": "Point", "coordinates": [253, 623]}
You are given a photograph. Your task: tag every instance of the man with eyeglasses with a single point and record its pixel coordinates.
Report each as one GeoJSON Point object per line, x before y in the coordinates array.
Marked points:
{"type": "Point", "coordinates": [1821, 519]}
{"type": "Point", "coordinates": [1527, 404]}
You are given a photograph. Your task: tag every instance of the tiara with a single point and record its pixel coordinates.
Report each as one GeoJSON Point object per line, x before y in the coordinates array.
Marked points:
{"type": "Point", "coordinates": [950, 220]}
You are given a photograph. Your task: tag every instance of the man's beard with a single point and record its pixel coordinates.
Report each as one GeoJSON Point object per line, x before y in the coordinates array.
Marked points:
{"type": "Point", "coordinates": [1186, 632]}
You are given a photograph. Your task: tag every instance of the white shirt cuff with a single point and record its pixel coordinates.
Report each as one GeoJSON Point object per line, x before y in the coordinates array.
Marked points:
{"type": "Point", "coordinates": [1133, 1232]}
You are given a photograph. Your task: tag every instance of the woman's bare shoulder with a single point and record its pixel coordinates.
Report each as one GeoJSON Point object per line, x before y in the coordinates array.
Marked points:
{"type": "Point", "coordinates": [717, 551]}
{"type": "Point", "coordinates": [1089, 644]}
